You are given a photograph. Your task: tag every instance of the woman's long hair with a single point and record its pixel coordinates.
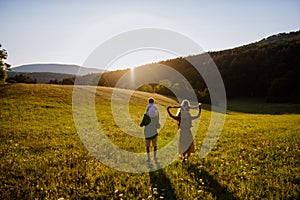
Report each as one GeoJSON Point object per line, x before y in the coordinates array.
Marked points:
{"type": "Point", "coordinates": [185, 106]}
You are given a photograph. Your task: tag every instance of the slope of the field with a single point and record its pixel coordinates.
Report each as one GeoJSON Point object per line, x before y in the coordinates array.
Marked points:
{"type": "Point", "coordinates": [42, 156]}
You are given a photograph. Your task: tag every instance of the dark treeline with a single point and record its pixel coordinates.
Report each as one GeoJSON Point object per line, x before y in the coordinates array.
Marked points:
{"type": "Point", "coordinates": [20, 78]}
{"type": "Point", "coordinates": [41, 77]}
{"type": "Point", "coordinates": [65, 81]}
{"type": "Point", "coordinates": [267, 69]}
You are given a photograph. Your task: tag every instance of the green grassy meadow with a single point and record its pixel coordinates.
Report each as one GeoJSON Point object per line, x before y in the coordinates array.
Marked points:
{"type": "Point", "coordinates": [42, 157]}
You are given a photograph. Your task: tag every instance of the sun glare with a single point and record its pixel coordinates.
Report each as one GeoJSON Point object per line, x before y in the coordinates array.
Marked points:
{"type": "Point", "coordinates": [140, 57]}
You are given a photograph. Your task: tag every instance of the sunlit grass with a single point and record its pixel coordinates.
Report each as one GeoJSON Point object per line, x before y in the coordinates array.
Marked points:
{"type": "Point", "coordinates": [42, 156]}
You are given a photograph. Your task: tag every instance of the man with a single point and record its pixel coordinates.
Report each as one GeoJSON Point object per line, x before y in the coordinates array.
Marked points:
{"type": "Point", "coordinates": [151, 126]}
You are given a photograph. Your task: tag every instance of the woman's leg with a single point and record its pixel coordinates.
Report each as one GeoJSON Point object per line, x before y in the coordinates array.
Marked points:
{"type": "Point", "coordinates": [148, 153]}
{"type": "Point", "coordinates": [188, 155]}
{"type": "Point", "coordinates": [154, 153]}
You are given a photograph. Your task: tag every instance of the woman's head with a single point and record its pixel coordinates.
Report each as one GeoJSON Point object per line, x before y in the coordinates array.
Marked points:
{"type": "Point", "coordinates": [185, 104]}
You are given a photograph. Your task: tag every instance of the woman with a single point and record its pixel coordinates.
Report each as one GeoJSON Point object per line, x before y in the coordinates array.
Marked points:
{"type": "Point", "coordinates": [184, 118]}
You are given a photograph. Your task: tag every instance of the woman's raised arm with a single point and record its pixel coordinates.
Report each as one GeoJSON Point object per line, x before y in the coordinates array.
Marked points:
{"type": "Point", "coordinates": [199, 112]}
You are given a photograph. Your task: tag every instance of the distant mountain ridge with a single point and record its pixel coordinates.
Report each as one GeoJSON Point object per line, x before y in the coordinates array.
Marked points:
{"type": "Point", "coordinates": [57, 68]}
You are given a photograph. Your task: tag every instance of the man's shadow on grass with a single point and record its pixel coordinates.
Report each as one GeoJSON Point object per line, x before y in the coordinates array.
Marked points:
{"type": "Point", "coordinates": [210, 183]}
{"type": "Point", "coordinates": [160, 183]}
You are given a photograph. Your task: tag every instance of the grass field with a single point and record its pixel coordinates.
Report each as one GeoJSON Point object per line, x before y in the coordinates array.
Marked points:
{"type": "Point", "coordinates": [42, 157]}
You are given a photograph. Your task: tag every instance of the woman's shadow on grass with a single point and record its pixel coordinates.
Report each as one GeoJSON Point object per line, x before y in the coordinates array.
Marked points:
{"type": "Point", "coordinates": [211, 184]}
{"type": "Point", "coordinates": [161, 184]}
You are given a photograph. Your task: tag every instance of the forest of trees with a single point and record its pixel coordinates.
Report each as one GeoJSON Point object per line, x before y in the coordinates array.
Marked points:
{"type": "Point", "coordinates": [267, 69]}
{"type": "Point", "coordinates": [20, 78]}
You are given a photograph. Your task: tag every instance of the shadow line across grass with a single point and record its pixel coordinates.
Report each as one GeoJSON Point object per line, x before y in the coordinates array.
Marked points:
{"type": "Point", "coordinates": [162, 186]}
{"type": "Point", "coordinates": [218, 191]}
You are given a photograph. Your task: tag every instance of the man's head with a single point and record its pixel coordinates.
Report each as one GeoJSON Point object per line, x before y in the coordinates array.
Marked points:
{"type": "Point", "coordinates": [151, 100]}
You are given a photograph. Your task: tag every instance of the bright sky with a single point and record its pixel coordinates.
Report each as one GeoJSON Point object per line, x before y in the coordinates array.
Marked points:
{"type": "Point", "coordinates": [61, 31]}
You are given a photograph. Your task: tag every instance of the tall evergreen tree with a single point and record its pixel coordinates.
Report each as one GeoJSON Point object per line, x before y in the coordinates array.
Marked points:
{"type": "Point", "coordinates": [3, 66]}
